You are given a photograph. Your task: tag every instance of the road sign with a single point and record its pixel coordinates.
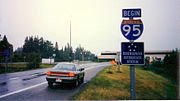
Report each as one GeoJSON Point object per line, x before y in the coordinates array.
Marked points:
{"type": "Point", "coordinates": [6, 52]}
{"type": "Point", "coordinates": [132, 53]}
{"type": "Point", "coordinates": [130, 13]}
{"type": "Point", "coordinates": [132, 29]}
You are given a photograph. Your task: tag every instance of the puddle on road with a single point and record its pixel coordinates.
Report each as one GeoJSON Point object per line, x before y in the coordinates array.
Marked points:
{"type": "Point", "coordinates": [35, 75]}
{"type": "Point", "coordinates": [3, 83]}
{"type": "Point", "coordinates": [3, 90]}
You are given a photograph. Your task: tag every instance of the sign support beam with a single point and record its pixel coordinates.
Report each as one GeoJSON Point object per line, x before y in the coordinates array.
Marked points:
{"type": "Point", "coordinates": [132, 82]}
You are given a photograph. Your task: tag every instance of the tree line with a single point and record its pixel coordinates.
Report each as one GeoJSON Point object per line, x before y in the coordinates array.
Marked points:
{"type": "Point", "coordinates": [167, 67]}
{"type": "Point", "coordinates": [35, 48]}
{"type": "Point", "coordinates": [46, 49]}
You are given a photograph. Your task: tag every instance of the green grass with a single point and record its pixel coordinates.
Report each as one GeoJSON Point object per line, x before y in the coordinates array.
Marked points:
{"type": "Point", "coordinates": [115, 86]}
{"type": "Point", "coordinates": [46, 65]}
{"type": "Point", "coordinates": [21, 67]}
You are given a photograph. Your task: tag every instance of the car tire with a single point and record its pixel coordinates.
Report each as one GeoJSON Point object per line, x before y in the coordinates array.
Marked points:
{"type": "Point", "coordinates": [76, 83]}
{"type": "Point", "coordinates": [50, 84]}
{"type": "Point", "coordinates": [82, 80]}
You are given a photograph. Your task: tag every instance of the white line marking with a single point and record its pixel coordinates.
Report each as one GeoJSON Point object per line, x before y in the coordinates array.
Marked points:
{"type": "Point", "coordinates": [11, 93]}
{"type": "Point", "coordinates": [14, 78]}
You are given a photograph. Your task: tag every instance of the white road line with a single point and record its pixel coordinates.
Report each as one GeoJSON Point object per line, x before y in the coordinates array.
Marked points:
{"type": "Point", "coordinates": [11, 93]}
{"type": "Point", "coordinates": [14, 78]}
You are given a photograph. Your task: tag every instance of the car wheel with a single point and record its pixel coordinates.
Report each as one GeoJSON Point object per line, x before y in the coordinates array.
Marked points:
{"type": "Point", "coordinates": [82, 80]}
{"type": "Point", "coordinates": [50, 84]}
{"type": "Point", "coordinates": [76, 83]}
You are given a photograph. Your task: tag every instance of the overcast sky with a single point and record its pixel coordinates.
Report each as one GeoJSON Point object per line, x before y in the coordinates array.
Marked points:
{"type": "Point", "coordinates": [95, 23]}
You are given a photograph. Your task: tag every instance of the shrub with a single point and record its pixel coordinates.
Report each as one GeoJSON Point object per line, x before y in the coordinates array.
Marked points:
{"type": "Point", "coordinates": [33, 60]}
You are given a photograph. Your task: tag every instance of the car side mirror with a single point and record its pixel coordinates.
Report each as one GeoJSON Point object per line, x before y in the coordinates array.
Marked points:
{"type": "Point", "coordinates": [81, 69]}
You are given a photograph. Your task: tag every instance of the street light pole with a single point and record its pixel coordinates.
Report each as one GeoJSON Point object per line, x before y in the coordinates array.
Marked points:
{"type": "Point", "coordinates": [70, 40]}
{"type": "Point", "coordinates": [70, 32]}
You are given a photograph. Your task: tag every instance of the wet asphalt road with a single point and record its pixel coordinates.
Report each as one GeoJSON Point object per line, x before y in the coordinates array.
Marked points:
{"type": "Point", "coordinates": [32, 85]}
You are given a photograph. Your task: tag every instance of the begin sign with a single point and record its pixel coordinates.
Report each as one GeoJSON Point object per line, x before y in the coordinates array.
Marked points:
{"type": "Point", "coordinates": [132, 53]}
{"type": "Point", "coordinates": [130, 13]}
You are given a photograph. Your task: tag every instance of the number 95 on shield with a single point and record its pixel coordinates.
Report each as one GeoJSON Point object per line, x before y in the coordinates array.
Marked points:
{"type": "Point", "coordinates": [132, 29]}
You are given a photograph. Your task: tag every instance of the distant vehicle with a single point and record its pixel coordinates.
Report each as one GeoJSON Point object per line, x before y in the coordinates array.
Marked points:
{"type": "Point", "coordinates": [65, 73]}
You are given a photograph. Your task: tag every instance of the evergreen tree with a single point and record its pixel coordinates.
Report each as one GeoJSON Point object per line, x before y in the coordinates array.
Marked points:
{"type": "Point", "coordinates": [56, 46]}
{"type": "Point", "coordinates": [33, 60]}
{"type": "Point", "coordinates": [79, 53]}
{"type": "Point", "coordinates": [83, 55]}
{"type": "Point", "coordinates": [61, 55]}
{"type": "Point", "coordinates": [0, 37]}
{"type": "Point", "coordinates": [68, 53]}
{"type": "Point", "coordinates": [41, 46]}
{"type": "Point", "coordinates": [6, 49]}
{"type": "Point", "coordinates": [34, 44]}
{"type": "Point", "coordinates": [57, 57]}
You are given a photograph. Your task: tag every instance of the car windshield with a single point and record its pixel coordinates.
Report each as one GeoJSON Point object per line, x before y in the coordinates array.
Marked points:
{"type": "Point", "coordinates": [69, 67]}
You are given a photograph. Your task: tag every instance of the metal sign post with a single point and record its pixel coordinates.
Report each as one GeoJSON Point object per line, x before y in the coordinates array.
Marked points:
{"type": "Point", "coordinates": [119, 69]}
{"type": "Point", "coordinates": [132, 82]}
{"type": "Point", "coordinates": [132, 53]}
{"type": "Point", "coordinates": [6, 53]}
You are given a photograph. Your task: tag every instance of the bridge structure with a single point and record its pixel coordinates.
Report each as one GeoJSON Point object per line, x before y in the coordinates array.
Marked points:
{"type": "Point", "coordinates": [157, 55]}
{"type": "Point", "coordinates": [115, 55]}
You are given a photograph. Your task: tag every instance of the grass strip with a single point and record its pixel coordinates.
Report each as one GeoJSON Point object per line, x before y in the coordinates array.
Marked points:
{"type": "Point", "coordinates": [112, 85]}
{"type": "Point", "coordinates": [21, 67]}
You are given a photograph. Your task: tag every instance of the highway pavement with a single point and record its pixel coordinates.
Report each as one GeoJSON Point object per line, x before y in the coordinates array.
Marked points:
{"type": "Point", "coordinates": [32, 85]}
